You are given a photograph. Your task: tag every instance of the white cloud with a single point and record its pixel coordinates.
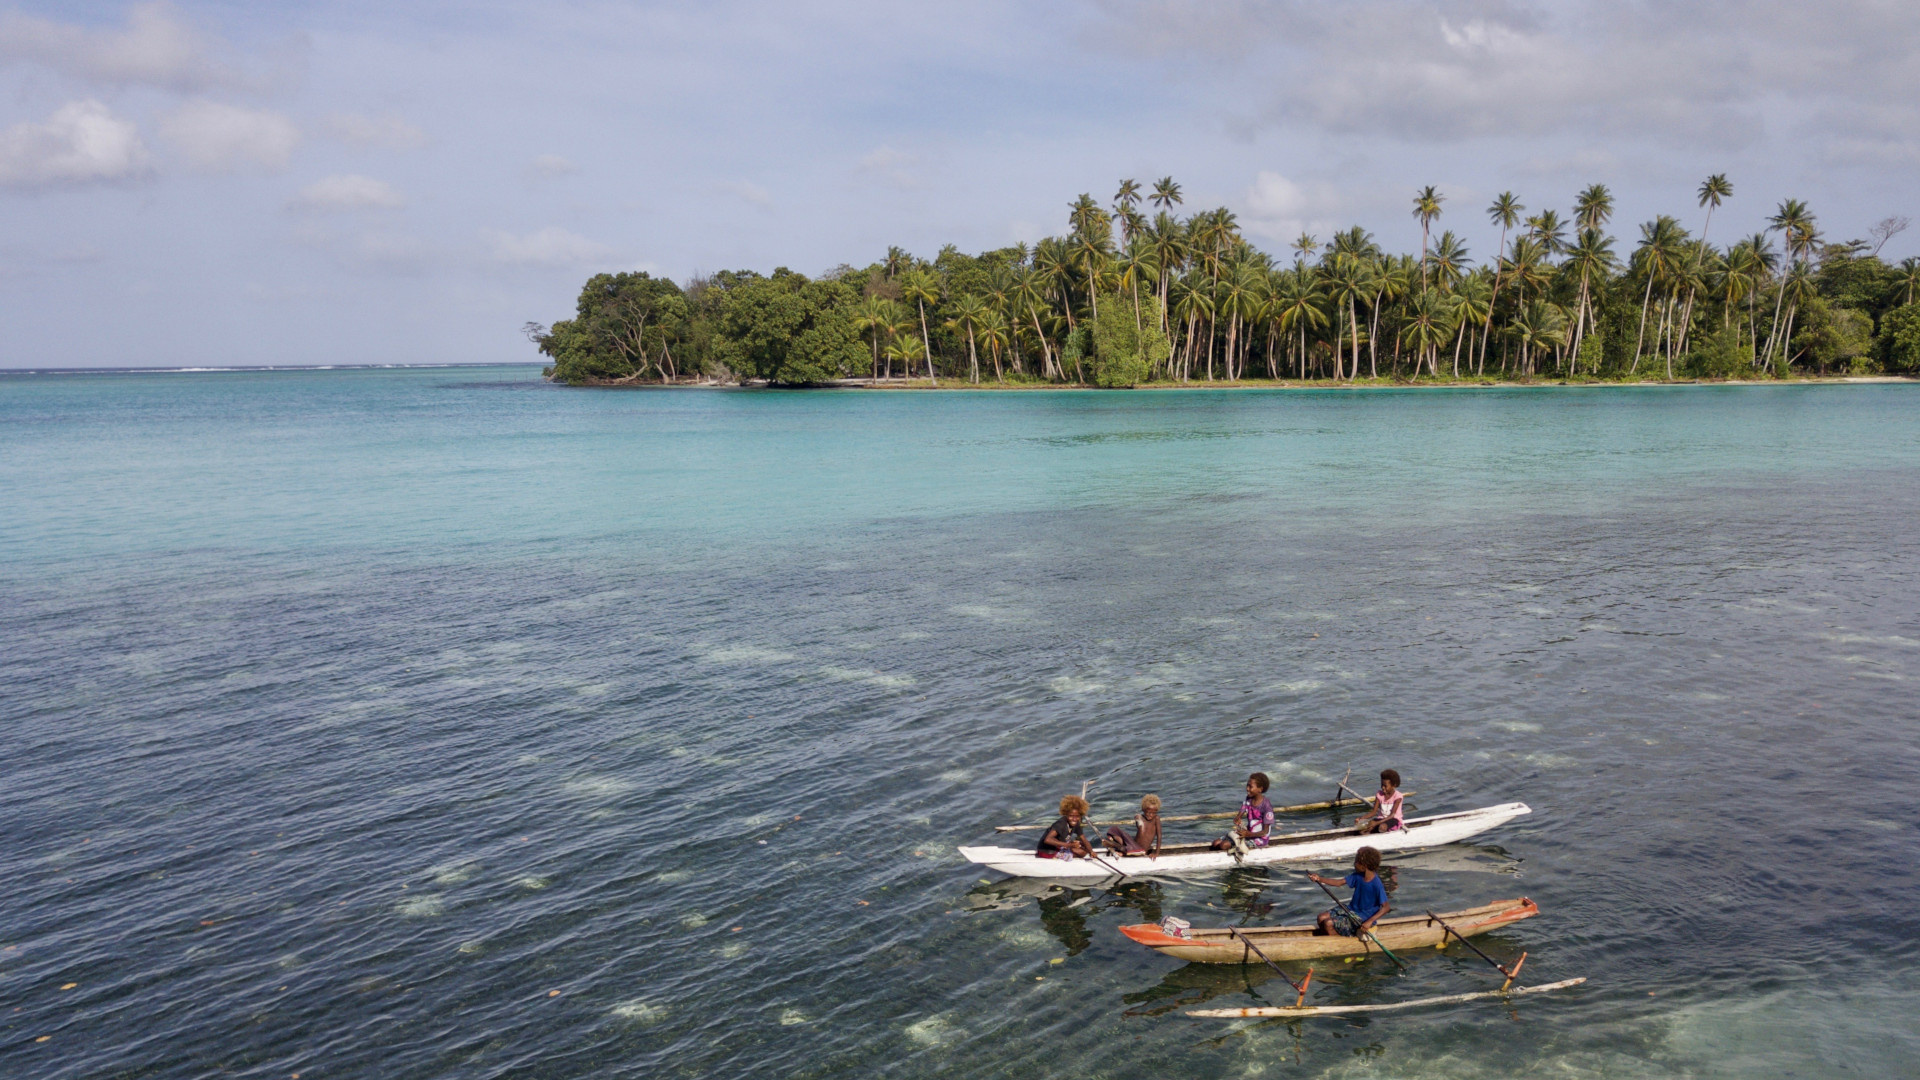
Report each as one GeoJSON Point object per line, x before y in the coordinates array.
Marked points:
{"type": "Point", "coordinates": [81, 143]}
{"type": "Point", "coordinates": [1431, 71]}
{"type": "Point", "coordinates": [225, 138]}
{"type": "Point", "coordinates": [747, 192]}
{"type": "Point", "coordinates": [392, 251]}
{"type": "Point", "coordinates": [349, 192]}
{"type": "Point", "coordinates": [891, 166]}
{"type": "Point", "coordinates": [547, 247]}
{"type": "Point", "coordinates": [156, 48]}
{"type": "Point", "coordinates": [1280, 209]}
{"type": "Point", "coordinates": [389, 131]}
{"type": "Point", "coordinates": [552, 165]}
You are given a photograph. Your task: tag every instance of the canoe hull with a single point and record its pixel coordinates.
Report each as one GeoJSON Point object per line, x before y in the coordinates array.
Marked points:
{"type": "Point", "coordinates": [1321, 847]}
{"type": "Point", "coordinates": [1217, 946]}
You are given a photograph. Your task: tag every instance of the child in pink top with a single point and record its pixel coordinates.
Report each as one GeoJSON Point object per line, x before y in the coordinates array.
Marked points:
{"type": "Point", "coordinates": [1387, 813]}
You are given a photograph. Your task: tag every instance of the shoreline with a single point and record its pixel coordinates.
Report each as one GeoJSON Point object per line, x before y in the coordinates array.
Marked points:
{"type": "Point", "coordinates": [924, 385]}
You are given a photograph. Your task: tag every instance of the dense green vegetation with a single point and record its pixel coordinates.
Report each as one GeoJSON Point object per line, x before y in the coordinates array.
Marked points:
{"type": "Point", "coordinates": [1123, 299]}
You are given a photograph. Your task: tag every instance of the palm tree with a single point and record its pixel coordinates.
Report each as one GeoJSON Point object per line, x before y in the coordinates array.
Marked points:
{"type": "Point", "coordinates": [1449, 260]}
{"type": "Point", "coordinates": [1166, 193]}
{"type": "Point", "coordinates": [1547, 228]}
{"type": "Point", "coordinates": [1428, 321]}
{"type": "Point", "coordinates": [1909, 275]}
{"type": "Point", "coordinates": [1304, 245]}
{"type": "Point", "coordinates": [1028, 297]}
{"type": "Point", "coordinates": [1527, 267]}
{"type": "Point", "coordinates": [1504, 212]}
{"type": "Point", "coordinates": [1757, 255]}
{"type": "Point", "coordinates": [1800, 288]}
{"type": "Point", "coordinates": [970, 316]}
{"type": "Point", "coordinates": [1593, 207]}
{"type": "Point", "coordinates": [1472, 297]}
{"type": "Point", "coordinates": [1349, 277]}
{"type": "Point", "coordinates": [1126, 204]}
{"type": "Point", "coordinates": [1240, 295]}
{"type": "Point", "coordinates": [1713, 191]}
{"type": "Point", "coordinates": [1169, 241]}
{"type": "Point", "coordinates": [897, 262]}
{"type": "Point", "coordinates": [1538, 325]}
{"type": "Point", "coordinates": [1660, 241]}
{"type": "Point", "coordinates": [1592, 257]}
{"type": "Point", "coordinates": [1426, 207]}
{"type": "Point", "coordinates": [1052, 265]}
{"type": "Point", "coordinates": [1392, 279]}
{"type": "Point", "coordinates": [1085, 216]}
{"type": "Point", "coordinates": [875, 316]}
{"type": "Point", "coordinates": [997, 335]}
{"type": "Point", "coordinates": [1135, 263]}
{"type": "Point", "coordinates": [922, 288]}
{"type": "Point", "coordinates": [1092, 244]}
{"type": "Point", "coordinates": [907, 349]}
{"type": "Point", "coordinates": [1795, 223]}
{"type": "Point", "coordinates": [1296, 309]}
{"type": "Point", "coordinates": [1193, 301]}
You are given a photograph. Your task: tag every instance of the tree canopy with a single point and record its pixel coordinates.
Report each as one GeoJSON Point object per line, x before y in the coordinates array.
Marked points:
{"type": "Point", "coordinates": [1121, 298]}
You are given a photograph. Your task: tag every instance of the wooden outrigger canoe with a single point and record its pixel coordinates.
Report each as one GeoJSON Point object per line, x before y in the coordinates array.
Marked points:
{"type": "Point", "coordinates": [1322, 845]}
{"type": "Point", "coordinates": [1221, 946]}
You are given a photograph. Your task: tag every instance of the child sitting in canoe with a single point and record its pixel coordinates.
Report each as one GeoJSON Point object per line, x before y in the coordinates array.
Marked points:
{"type": "Point", "coordinates": [1145, 838]}
{"type": "Point", "coordinates": [1369, 901]}
{"type": "Point", "coordinates": [1063, 839]}
{"type": "Point", "coordinates": [1254, 821]}
{"type": "Point", "coordinates": [1387, 813]}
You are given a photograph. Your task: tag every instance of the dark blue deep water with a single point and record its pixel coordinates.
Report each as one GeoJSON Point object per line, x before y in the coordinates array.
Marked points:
{"type": "Point", "coordinates": [442, 723]}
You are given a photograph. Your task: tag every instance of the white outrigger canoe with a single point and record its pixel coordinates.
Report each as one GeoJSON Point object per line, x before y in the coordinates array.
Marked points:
{"type": "Point", "coordinates": [1320, 846]}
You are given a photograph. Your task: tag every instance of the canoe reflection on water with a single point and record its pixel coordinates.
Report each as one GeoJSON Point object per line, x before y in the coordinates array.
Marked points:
{"type": "Point", "coordinates": [1065, 910]}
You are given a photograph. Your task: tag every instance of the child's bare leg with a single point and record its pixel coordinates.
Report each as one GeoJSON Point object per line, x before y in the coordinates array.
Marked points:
{"type": "Point", "coordinates": [1325, 929]}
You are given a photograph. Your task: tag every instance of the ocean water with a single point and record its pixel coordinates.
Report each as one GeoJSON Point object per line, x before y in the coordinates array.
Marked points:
{"type": "Point", "coordinates": [443, 723]}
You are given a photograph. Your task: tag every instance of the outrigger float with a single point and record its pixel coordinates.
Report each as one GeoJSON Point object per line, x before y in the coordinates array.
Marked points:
{"type": "Point", "coordinates": [1319, 846]}
{"type": "Point", "coordinates": [1341, 1010]}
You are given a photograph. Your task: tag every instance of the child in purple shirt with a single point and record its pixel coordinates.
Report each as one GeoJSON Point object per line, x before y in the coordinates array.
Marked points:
{"type": "Point", "coordinates": [1254, 822]}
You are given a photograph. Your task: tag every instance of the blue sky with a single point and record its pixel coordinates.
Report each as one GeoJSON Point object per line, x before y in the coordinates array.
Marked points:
{"type": "Point", "coordinates": [211, 184]}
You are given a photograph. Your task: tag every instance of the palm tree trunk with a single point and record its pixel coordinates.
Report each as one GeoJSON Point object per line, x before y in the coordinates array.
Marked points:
{"type": "Point", "coordinates": [1779, 302]}
{"type": "Point", "coordinates": [924, 342]}
{"type": "Point", "coordinates": [1373, 332]}
{"type": "Point", "coordinates": [1639, 338]}
{"type": "Point", "coordinates": [1786, 342]}
{"type": "Point", "coordinates": [1353, 317]}
{"type": "Point", "coordinates": [1481, 367]}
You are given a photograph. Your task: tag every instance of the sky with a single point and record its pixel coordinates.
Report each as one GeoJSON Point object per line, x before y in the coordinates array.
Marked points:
{"type": "Point", "coordinates": [212, 184]}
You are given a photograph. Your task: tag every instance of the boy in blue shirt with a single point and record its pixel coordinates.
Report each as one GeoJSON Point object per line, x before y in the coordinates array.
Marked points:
{"type": "Point", "coordinates": [1369, 897]}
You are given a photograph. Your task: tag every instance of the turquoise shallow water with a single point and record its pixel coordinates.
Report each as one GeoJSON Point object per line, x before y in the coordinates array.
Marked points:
{"type": "Point", "coordinates": [349, 715]}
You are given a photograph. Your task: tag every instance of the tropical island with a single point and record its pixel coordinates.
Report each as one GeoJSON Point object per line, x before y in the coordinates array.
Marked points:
{"type": "Point", "coordinates": [1125, 300]}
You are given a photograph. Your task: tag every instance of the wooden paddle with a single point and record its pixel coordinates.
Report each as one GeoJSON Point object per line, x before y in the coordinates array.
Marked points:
{"type": "Point", "coordinates": [1497, 966]}
{"type": "Point", "coordinates": [1359, 926]}
{"type": "Point", "coordinates": [1300, 986]}
{"type": "Point", "coordinates": [1105, 863]}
